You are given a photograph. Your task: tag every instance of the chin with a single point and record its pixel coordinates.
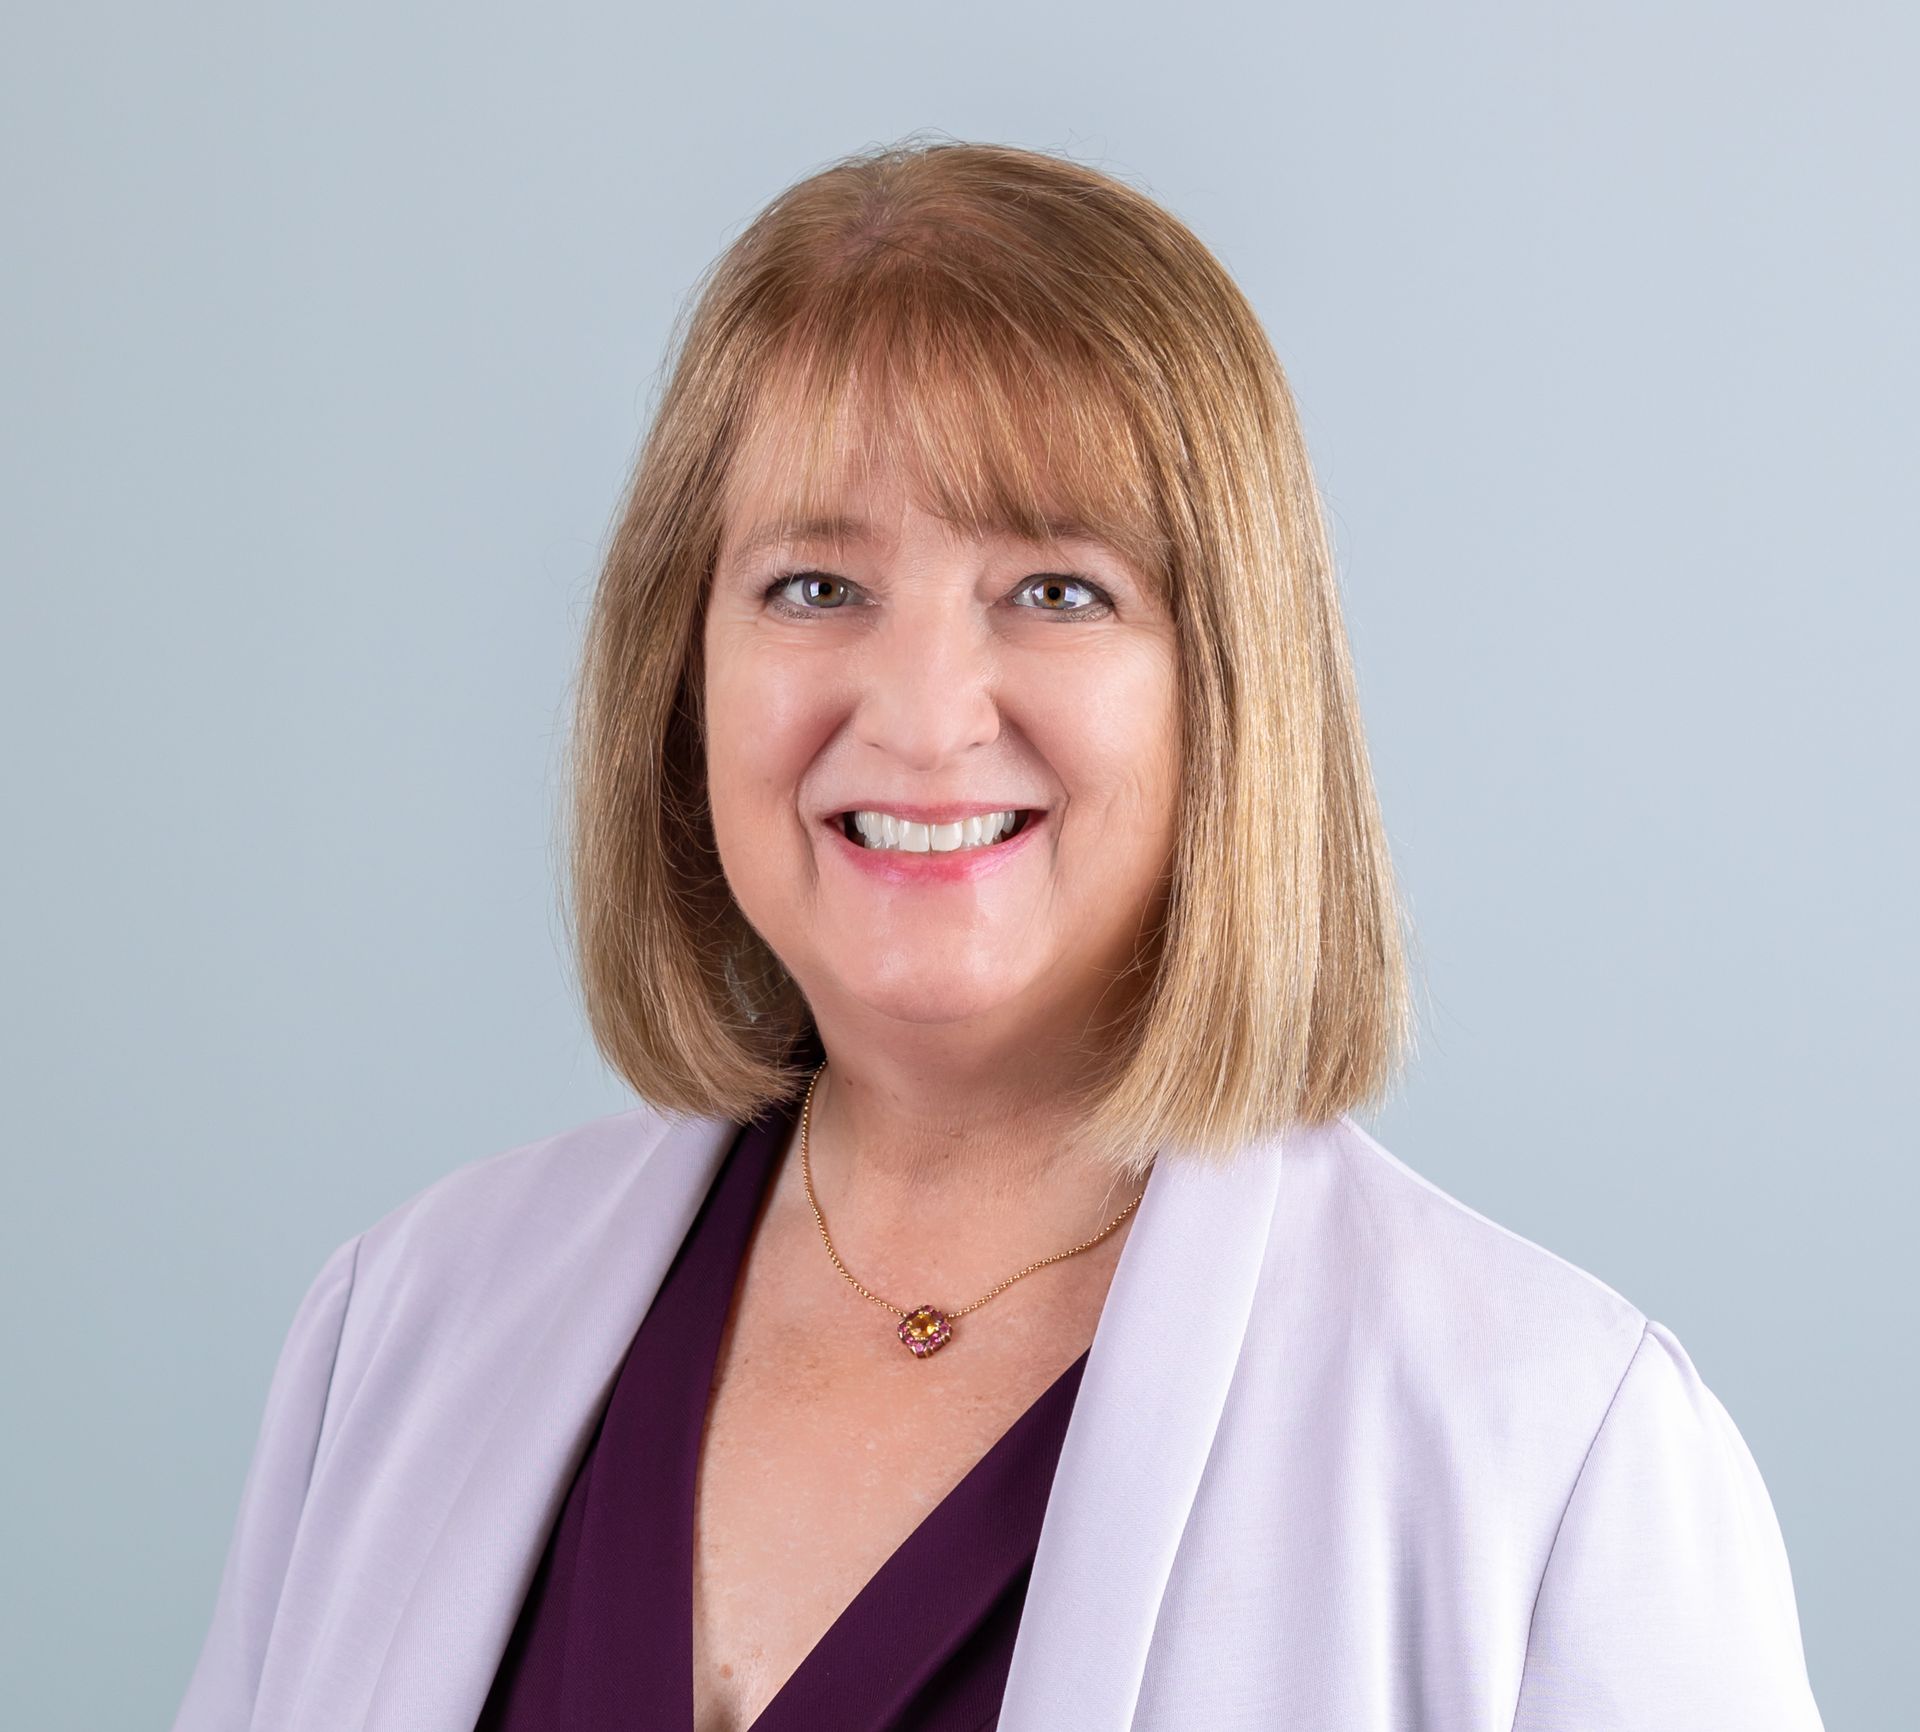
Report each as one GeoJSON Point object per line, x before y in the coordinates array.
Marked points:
{"type": "Point", "coordinates": [925, 994]}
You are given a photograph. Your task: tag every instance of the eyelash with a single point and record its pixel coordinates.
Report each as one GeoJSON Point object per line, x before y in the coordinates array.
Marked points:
{"type": "Point", "coordinates": [1098, 609]}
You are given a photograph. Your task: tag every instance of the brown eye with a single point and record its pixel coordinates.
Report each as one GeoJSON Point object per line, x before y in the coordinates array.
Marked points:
{"type": "Point", "coordinates": [809, 591]}
{"type": "Point", "coordinates": [1056, 592]}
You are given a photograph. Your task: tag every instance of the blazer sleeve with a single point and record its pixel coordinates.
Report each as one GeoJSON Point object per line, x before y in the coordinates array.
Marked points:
{"type": "Point", "coordinates": [1666, 1604]}
{"type": "Point", "coordinates": [220, 1695]}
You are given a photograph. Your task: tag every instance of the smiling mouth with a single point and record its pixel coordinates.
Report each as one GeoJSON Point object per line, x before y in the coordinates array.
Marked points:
{"type": "Point", "coordinates": [883, 833]}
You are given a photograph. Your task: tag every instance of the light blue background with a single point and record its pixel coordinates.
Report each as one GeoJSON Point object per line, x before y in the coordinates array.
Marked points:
{"type": "Point", "coordinates": [328, 336]}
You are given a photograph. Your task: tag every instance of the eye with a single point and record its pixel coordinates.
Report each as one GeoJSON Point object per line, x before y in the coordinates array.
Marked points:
{"type": "Point", "coordinates": [1055, 589]}
{"type": "Point", "coordinates": [816, 587]}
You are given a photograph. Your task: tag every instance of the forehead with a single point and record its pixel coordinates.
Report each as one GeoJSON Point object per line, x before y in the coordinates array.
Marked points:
{"type": "Point", "coordinates": [837, 473]}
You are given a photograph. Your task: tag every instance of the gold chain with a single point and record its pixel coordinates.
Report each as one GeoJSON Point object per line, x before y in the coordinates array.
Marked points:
{"type": "Point", "coordinates": [806, 1179]}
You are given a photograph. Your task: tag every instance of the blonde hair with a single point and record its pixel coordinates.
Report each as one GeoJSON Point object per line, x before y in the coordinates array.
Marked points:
{"type": "Point", "coordinates": [1030, 335]}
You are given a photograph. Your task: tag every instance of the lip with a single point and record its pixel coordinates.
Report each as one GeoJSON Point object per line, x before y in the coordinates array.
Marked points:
{"type": "Point", "coordinates": [960, 866]}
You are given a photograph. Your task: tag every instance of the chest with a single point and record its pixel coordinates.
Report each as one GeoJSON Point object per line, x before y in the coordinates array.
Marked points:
{"type": "Point", "coordinates": [826, 1445]}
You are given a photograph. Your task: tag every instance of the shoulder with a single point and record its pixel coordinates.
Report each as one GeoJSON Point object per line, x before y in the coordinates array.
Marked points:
{"type": "Point", "coordinates": [511, 1221]}
{"type": "Point", "coordinates": [1414, 1242]}
{"type": "Point", "coordinates": [1475, 1335]}
{"type": "Point", "coordinates": [1427, 1395]}
{"type": "Point", "coordinates": [1510, 1380]}
{"type": "Point", "coordinates": [547, 1182]}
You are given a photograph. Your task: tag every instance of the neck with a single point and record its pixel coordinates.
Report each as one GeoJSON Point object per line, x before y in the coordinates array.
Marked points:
{"type": "Point", "coordinates": [954, 1175]}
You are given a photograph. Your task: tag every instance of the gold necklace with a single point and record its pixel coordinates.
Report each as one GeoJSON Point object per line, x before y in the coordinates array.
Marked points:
{"type": "Point", "coordinates": [923, 1329]}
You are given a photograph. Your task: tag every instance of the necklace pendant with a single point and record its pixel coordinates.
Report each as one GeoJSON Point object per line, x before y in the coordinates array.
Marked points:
{"type": "Point", "coordinates": [925, 1330]}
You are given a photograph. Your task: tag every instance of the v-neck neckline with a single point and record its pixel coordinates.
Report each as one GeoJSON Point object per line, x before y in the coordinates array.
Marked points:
{"type": "Point", "coordinates": [850, 1675]}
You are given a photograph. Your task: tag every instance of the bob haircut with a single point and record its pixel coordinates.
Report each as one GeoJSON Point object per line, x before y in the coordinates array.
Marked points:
{"type": "Point", "coordinates": [1022, 337]}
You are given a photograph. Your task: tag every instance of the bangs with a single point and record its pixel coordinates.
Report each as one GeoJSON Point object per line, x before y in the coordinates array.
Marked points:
{"type": "Point", "coordinates": [993, 421]}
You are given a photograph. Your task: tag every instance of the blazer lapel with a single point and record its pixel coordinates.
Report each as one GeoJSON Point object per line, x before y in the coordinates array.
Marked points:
{"type": "Point", "coordinates": [1150, 1399]}
{"type": "Point", "coordinates": [446, 1646]}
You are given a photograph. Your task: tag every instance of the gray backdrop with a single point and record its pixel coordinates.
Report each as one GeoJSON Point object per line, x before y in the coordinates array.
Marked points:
{"type": "Point", "coordinates": [328, 335]}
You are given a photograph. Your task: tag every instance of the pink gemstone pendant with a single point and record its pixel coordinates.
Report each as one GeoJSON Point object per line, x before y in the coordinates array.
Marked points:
{"type": "Point", "coordinates": [925, 1330]}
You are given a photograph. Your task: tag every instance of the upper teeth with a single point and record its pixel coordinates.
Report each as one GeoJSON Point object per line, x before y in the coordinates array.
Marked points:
{"type": "Point", "coordinates": [883, 830]}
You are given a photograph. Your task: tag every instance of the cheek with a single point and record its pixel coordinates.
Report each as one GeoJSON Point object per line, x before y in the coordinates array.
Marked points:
{"type": "Point", "coordinates": [762, 718]}
{"type": "Point", "coordinates": [1114, 735]}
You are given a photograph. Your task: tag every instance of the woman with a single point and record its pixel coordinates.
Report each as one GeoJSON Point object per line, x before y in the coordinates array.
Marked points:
{"type": "Point", "coordinates": [993, 1316]}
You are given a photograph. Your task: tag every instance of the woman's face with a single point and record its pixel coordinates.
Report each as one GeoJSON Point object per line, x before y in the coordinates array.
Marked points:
{"type": "Point", "coordinates": [873, 701]}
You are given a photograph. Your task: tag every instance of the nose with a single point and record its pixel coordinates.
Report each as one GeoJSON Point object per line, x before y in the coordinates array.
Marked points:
{"type": "Point", "coordinates": [926, 681]}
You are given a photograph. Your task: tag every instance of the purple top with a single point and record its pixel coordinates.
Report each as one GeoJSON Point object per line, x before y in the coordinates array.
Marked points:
{"type": "Point", "coordinates": [604, 1640]}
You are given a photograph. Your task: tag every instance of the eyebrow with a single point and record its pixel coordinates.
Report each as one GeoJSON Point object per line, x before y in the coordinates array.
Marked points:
{"type": "Point", "coordinates": [782, 532]}
{"type": "Point", "coordinates": [839, 527]}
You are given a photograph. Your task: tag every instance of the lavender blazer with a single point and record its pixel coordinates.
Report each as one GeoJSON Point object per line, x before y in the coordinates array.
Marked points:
{"type": "Point", "coordinates": [1346, 1455]}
